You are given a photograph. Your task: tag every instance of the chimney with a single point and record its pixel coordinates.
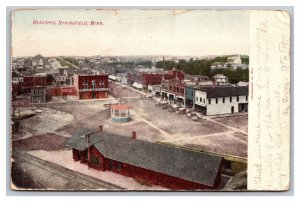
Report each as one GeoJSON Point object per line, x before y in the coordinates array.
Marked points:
{"type": "Point", "coordinates": [133, 136]}
{"type": "Point", "coordinates": [100, 128]}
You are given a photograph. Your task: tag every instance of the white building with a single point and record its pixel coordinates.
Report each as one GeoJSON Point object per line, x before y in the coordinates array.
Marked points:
{"type": "Point", "coordinates": [60, 79]}
{"type": "Point", "coordinates": [220, 79]}
{"type": "Point", "coordinates": [243, 83]}
{"type": "Point", "coordinates": [221, 100]}
{"type": "Point", "coordinates": [235, 59]}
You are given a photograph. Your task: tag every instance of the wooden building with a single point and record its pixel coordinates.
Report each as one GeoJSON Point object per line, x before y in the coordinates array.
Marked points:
{"type": "Point", "coordinates": [216, 100]}
{"type": "Point", "coordinates": [152, 163]}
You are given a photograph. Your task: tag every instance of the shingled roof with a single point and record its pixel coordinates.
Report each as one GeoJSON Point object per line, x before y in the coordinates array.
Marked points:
{"type": "Point", "coordinates": [189, 165]}
{"type": "Point", "coordinates": [224, 91]}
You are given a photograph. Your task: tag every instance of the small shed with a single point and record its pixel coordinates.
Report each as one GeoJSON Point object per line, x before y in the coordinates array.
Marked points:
{"type": "Point", "coordinates": [120, 113]}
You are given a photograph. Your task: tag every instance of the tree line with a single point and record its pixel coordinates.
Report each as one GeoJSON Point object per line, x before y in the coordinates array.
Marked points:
{"type": "Point", "coordinates": [203, 67]}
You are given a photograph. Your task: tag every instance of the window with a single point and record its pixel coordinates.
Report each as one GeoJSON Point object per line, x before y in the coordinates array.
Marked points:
{"type": "Point", "coordinates": [230, 99]}
{"type": "Point", "coordinates": [223, 100]}
{"type": "Point", "coordinates": [246, 98]}
{"type": "Point", "coordinates": [216, 100]}
{"type": "Point", "coordinates": [93, 84]}
{"type": "Point", "coordinates": [209, 101]}
{"type": "Point", "coordinates": [237, 98]}
{"type": "Point", "coordinates": [197, 99]}
{"type": "Point", "coordinates": [201, 99]}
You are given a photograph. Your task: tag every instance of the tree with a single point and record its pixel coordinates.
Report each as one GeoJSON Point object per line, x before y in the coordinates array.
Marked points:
{"type": "Point", "coordinates": [49, 79]}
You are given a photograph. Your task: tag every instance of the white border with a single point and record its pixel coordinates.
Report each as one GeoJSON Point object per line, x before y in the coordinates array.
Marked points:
{"type": "Point", "coordinates": [140, 3]}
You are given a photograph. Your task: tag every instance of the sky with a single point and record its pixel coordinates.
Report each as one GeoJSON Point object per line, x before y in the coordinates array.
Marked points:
{"type": "Point", "coordinates": [131, 32]}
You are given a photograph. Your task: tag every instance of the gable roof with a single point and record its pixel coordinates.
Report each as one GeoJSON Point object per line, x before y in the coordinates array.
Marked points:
{"type": "Point", "coordinates": [78, 141]}
{"type": "Point", "coordinates": [181, 163]}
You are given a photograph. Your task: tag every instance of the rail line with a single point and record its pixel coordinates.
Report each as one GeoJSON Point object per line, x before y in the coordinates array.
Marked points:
{"type": "Point", "coordinates": [92, 184]}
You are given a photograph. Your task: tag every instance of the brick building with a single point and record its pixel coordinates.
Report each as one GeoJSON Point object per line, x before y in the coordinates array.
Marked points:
{"type": "Point", "coordinates": [91, 86]}
{"type": "Point", "coordinates": [62, 91]}
{"type": "Point", "coordinates": [32, 81]}
{"type": "Point", "coordinates": [177, 90]}
{"type": "Point", "coordinates": [158, 164]}
{"type": "Point", "coordinates": [143, 80]}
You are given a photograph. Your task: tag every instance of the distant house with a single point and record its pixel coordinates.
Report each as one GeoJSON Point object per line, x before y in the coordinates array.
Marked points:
{"type": "Point", "coordinates": [69, 74]}
{"type": "Point", "coordinates": [153, 163]}
{"type": "Point", "coordinates": [60, 79]}
{"type": "Point", "coordinates": [39, 94]}
{"type": "Point", "coordinates": [243, 83]}
{"type": "Point", "coordinates": [236, 59]}
{"type": "Point", "coordinates": [215, 100]}
{"type": "Point", "coordinates": [220, 79]}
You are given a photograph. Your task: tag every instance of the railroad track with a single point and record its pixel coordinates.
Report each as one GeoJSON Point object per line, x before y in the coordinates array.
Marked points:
{"type": "Point", "coordinates": [91, 183]}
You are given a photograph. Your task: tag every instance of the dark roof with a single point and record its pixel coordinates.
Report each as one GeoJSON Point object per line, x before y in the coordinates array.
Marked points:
{"type": "Point", "coordinates": [185, 164]}
{"type": "Point", "coordinates": [224, 91]}
{"type": "Point", "coordinates": [78, 141]}
{"type": "Point", "coordinates": [17, 74]}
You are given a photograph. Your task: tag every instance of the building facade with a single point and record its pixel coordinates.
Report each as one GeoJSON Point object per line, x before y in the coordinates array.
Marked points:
{"type": "Point", "coordinates": [91, 86]}
{"type": "Point", "coordinates": [216, 100]}
{"type": "Point", "coordinates": [39, 94]}
{"type": "Point", "coordinates": [32, 81]}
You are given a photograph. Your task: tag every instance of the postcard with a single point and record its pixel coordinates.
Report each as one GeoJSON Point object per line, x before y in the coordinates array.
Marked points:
{"type": "Point", "coordinates": [150, 100]}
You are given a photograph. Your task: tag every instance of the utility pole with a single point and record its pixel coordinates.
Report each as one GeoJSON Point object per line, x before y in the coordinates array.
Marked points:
{"type": "Point", "coordinates": [87, 136]}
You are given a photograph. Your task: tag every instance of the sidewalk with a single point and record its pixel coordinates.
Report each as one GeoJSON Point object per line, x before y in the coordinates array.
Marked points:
{"type": "Point", "coordinates": [64, 158]}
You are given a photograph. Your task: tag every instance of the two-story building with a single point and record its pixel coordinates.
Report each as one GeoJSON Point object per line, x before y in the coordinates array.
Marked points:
{"type": "Point", "coordinates": [215, 100]}
{"type": "Point", "coordinates": [39, 94]}
{"type": "Point", "coordinates": [30, 81]}
{"type": "Point", "coordinates": [60, 79]}
{"type": "Point", "coordinates": [91, 86]}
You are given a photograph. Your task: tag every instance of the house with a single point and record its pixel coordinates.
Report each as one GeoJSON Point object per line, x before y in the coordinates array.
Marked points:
{"type": "Point", "coordinates": [220, 79]}
{"type": "Point", "coordinates": [122, 78]}
{"type": "Point", "coordinates": [216, 100]}
{"type": "Point", "coordinates": [151, 163]}
{"type": "Point", "coordinates": [60, 79]}
{"type": "Point", "coordinates": [236, 59]}
{"type": "Point", "coordinates": [91, 86]}
{"type": "Point", "coordinates": [39, 94]}
{"type": "Point", "coordinates": [242, 83]}
{"type": "Point", "coordinates": [69, 74]}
